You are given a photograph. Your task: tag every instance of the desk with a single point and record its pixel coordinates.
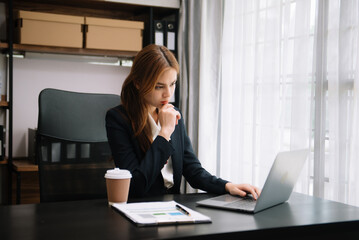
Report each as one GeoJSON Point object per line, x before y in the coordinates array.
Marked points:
{"type": "Point", "coordinates": [19, 166]}
{"type": "Point", "coordinates": [301, 217]}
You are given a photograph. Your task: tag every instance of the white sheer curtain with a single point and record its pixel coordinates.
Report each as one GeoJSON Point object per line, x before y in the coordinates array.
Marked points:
{"type": "Point", "coordinates": [275, 76]}
{"type": "Point", "coordinates": [353, 166]}
{"type": "Point", "coordinates": [341, 150]}
{"type": "Point", "coordinates": [266, 86]}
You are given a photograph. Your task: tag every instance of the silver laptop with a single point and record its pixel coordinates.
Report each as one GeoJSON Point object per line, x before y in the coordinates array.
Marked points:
{"type": "Point", "coordinates": [276, 190]}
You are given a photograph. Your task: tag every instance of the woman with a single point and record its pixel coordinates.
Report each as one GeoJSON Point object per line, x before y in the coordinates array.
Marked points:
{"type": "Point", "coordinates": [147, 135]}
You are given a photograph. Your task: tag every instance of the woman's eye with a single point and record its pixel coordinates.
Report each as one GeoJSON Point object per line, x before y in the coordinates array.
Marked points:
{"type": "Point", "coordinates": [158, 87]}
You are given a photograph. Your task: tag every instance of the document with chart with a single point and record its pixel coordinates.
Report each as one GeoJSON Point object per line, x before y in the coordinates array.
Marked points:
{"type": "Point", "coordinates": [160, 213]}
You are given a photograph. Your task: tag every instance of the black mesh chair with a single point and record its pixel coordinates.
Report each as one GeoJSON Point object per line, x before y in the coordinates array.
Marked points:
{"type": "Point", "coordinates": [71, 144]}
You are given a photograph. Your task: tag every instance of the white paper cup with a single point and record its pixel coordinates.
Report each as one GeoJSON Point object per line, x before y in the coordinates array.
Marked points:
{"type": "Point", "coordinates": [118, 185]}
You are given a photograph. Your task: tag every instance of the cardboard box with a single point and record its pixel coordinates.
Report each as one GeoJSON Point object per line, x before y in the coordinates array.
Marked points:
{"type": "Point", "coordinates": [49, 29]}
{"type": "Point", "coordinates": [113, 34]}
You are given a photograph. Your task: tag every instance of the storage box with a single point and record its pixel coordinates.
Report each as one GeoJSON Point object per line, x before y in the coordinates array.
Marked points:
{"type": "Point", "coordinates": [113, 34]}
{"type": "Point", "coordinates": [49, 29]}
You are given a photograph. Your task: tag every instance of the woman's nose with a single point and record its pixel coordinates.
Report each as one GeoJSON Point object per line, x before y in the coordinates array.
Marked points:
{"type": "Point", "coordinates": [167, 92]}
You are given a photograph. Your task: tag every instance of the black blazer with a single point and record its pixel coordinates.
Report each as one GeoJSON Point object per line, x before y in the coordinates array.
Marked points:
{"type": "Point", "coordinates": [146, 167]}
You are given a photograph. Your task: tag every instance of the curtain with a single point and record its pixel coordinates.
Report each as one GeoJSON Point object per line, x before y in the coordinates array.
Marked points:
{"type": "Point", "coordinates": [267, 80]}
{"type": "Point", "coordinates": [199, 53]}
{"type": "Point", "coordinates": [353, 166]}
{"type": "Point", "coordinates": [265, 76]}
{"type": "Point", "coordinates": [341, 150]}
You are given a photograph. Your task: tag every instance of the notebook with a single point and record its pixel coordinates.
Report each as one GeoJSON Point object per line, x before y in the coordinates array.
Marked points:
{"type": "Point", "coordinates": [160, 213]}
{"type": "Point", "coordinates": [276, 190]}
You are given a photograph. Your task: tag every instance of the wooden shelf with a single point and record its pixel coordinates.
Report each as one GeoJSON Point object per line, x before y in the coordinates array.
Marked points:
{"type": "Point", "coordinates": [67, 50]}
{"type": "Point", "coordinates": [4, 104]}
{"type": "Point", "coordinates": [91, 8]}
{"type": "Point", "coordinates": [24, 165]}
{"type": "Point", "coordinates": [98, 8]}
{"type": "Point", "coordinates": [3, 162]}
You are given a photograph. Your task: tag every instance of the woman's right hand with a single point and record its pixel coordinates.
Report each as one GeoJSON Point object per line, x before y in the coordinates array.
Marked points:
{"type": "Point", "coordinates": [168, 118]}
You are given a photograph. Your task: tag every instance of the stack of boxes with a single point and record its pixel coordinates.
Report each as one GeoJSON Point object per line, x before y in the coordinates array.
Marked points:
{"type": "Point", "coordinates": [59, 30]}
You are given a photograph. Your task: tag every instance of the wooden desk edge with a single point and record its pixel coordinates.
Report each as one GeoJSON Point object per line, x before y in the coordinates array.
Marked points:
{"type": "Point", "coordinates": [24, 166]}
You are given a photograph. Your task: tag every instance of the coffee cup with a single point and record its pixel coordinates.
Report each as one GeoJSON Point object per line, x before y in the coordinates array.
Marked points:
{"type": "Point", "coordinates": [118, 185]}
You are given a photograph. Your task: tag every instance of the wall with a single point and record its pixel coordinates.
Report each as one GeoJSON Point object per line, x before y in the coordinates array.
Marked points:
{"type": "Point", "coordinates": [33, 75]}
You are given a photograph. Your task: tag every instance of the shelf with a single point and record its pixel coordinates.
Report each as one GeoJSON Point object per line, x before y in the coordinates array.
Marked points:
{"type": "Point", "coordinates": [3, 162]}
{"type": "Point", "coordinates": [4, 105]}
{"type": "Point", "coordinates": [24, 165]}
{"type": "Point", "coordinates": [67, 50]}
{"type": "Point", "coordinates": [125, 10]}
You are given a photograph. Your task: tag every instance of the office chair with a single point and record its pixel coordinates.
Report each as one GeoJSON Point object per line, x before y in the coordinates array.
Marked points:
{"type": "Point", "coordinates": [71, 144]}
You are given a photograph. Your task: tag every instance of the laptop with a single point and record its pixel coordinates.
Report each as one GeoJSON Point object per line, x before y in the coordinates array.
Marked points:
{"type": "Point", "coordinates": [276, 190]}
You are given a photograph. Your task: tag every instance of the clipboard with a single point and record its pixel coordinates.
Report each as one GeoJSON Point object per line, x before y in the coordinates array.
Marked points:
{"type": "Point", "coordinates": [160, 213]}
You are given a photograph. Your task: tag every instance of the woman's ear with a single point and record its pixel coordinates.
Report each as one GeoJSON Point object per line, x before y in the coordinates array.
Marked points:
{"type": "Point", "coordinates": [136, 85]}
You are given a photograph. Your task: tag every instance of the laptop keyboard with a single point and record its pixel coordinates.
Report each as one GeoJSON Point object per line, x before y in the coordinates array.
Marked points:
{"type": "Point", "coordinates": [246, 203]}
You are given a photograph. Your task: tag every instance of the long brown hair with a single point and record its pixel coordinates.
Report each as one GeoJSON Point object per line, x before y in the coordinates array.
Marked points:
{"type": "Point", "coordinates": [148, 65]}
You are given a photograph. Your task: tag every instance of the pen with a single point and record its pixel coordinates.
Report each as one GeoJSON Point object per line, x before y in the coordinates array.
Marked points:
{"type": "Point", "coordinates": [181, 209]}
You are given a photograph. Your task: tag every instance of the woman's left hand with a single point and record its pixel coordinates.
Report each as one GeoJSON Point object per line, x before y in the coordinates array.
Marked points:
{"type": "Point", "coordinates": [243, 189]}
